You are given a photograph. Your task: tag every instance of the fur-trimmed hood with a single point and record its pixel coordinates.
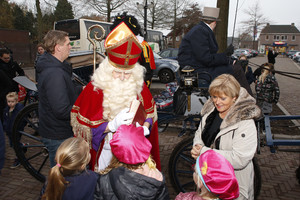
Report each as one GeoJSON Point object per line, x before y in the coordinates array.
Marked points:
{"type": "Point", "coordinates": [243, 109]}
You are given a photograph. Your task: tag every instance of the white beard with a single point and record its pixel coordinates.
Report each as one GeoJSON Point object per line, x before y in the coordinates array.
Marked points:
{"type": "Point", "coordinates": [117, 94]}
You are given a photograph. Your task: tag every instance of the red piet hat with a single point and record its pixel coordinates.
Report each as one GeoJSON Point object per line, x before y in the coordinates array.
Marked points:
{"type": "Point", "coordinates": [129, 145]}
{"type": "Point", "coordinates": [217, 175]}
{"type": "Point", "coordinates": [122, 47]}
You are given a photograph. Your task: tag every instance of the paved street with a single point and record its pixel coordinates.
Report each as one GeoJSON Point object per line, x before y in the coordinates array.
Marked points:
{"type": "Point", "coordinates": [277, 169]}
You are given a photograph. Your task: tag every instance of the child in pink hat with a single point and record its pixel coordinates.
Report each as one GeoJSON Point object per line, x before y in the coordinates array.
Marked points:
{"type": "Point", "coordinates": [214, 177]}
{"type": "Point", "coordinates": [132, 173]}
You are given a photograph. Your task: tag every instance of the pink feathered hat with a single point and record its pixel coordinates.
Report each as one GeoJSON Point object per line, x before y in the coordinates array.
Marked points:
{"type": "Point", "coordinates": [129, 145]}
{"type": "Point", "coordinates": [217, 175]}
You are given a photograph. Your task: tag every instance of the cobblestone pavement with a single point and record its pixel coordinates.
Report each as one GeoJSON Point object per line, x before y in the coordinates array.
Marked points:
{"type": "Point", "coordinates": [277, 169]}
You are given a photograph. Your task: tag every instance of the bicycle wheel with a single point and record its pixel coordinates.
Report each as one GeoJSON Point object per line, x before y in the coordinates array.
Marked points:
{"type": "Point", "coordinates": [29, 148]}
{"type": "Point", "coordinates": [181, 166]}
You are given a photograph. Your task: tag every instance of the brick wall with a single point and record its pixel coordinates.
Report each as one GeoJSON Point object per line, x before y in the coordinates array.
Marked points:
{"type": "Point", "coordinates": [18, 42]}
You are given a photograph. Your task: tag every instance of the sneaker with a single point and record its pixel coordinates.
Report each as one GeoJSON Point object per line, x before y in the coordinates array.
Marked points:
{"type": "Point", "coordinates": [15, 164]}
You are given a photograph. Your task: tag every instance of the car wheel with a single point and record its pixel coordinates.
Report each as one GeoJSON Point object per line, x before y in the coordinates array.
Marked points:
{"type": "Point", "coordinates": [166, 75]}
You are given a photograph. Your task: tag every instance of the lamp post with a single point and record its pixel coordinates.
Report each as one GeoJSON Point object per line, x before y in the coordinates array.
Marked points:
{"type": "Point", "coordinates": [145, 20]}
{"type": "Point", "coordinates": [145, 7]}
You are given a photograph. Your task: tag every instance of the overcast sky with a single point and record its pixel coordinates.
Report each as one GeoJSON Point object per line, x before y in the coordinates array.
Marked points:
{"type": "Point", "coordinates": [279, 12]}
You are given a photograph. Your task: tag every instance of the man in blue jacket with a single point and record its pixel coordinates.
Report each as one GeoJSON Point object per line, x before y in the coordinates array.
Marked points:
{"type": "Point", "coordinates": [199, 47]}
{"type": "Point", "coordinates": [57, 92]}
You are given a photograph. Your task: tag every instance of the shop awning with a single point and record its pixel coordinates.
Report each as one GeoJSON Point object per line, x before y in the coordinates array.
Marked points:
{"type": "Point", "coordinates": [280, 44]}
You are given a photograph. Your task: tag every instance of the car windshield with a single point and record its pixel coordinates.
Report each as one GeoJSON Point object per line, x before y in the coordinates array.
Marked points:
{"type": "Point", "coordinates": [156, 56]}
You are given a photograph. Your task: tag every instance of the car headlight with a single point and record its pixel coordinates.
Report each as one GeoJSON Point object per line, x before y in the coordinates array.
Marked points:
{"type": "Point", "coordinates": [176, 65]}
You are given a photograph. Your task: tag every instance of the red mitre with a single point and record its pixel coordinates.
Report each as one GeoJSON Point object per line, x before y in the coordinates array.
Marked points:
{"type": "Point", "coordinates": [122, 47]}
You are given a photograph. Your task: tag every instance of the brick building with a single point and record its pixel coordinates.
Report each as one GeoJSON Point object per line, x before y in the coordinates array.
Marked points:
{"type": "Point", "coordinates": [281, 37]}
{"type": "Point", "coordinates": [19, 43]}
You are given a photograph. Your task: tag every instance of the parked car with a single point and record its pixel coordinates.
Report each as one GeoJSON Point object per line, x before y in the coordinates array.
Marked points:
{"type": "Point", "coordinates": [290, 53]}
{"type": "Point", "coordinates": [170, 53]}
{"type": "Point", "coordinates": [165, 68]}
{"type": "Point", "coordinates": [254, 52]}
{"type": "Point", "coordinates": [296, 56]}
{"type": "Point", "coordinates": [238, 52]}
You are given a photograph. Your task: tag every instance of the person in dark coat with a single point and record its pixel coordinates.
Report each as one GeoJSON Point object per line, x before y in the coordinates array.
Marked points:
{"type": "Point", "coordinates": [9, 115]}
{"type": "Point", "coordinates": [199, 47]}
{"type": "Point", "coordinates": [57, 93]}
{"type": "Point", "coordinates": [40, 51]}
{"type": "Point", "coordinates": [132, 173]}
{"type": "Point", "coordinates": [247, 69]}
{"type": "Point", "coordinates": [271, 56]}
{"type": "Point", "coordinates": [242, 73]}
{"type": "Point", "coordinates": [240, 76]}
{"type": "Point", "coordinates": [5, 85]}
{"type": "Point", "coordinates": [11, 68]}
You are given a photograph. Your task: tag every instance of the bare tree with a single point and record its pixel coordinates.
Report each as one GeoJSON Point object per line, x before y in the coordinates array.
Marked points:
{"type": "Point", "coordinates": [156, 12]}
{"type": "Point", "coordinates": [190, 18]}
{"type": "Point", "coordinates": [175, 11]}
{"type": "Point", "coordinates": [106, 7]}
{"type": "Point", "coordinates": [255, 22]}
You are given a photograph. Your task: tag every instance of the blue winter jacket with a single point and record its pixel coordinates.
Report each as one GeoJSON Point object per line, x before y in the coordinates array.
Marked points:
{"type": "Point", "coordinates": [8, 121]}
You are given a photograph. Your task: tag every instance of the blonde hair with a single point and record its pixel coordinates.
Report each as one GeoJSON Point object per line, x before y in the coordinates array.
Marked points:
{"type": "Point", "coordinates": [203, 192]}
{"type": "Point", "coordinates": [226, 84]}
{"type": "Point", "coordinates": [12, 95]}
{"type": "Point", "coordinates": [72, 156]}
{"type": "Point", "coordinates": [115, 163]}
{"type": "Point", "coordinates": [266, 70]}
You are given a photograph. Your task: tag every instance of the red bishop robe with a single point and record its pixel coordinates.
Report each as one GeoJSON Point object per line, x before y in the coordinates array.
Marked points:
{"type": "Point", "coordinates": [87, 113]}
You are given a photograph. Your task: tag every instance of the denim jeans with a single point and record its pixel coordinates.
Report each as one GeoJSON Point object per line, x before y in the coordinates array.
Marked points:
{"type": "Point", "coordinates": [52, 146]}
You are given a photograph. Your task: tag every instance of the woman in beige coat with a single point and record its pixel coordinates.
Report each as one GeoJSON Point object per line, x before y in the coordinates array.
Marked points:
{"type": "Point", "coordinates": [228, 127]}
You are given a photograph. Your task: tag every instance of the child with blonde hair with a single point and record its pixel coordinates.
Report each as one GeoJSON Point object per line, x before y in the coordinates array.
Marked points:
{"type": "Point", "coordinates": [69, 178]}
{"type": "Point", "coordinates": [9, 115]}
{"type": "Point", "coordinates": [267, 89]}
{"type": "Point", "coordinates": [214, 177]}
{"type": "Point", "coordinates": [132, 173]}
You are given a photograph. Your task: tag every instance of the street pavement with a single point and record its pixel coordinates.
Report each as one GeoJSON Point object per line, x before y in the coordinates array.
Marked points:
{"type": "Point", "coordinates": [277, 169]}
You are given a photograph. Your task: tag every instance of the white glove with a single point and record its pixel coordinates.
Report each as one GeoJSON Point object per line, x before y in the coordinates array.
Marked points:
{"type": "Point", "coordinates": [124, 117]}
{"type": "Point", "coordinates": [146, 130]}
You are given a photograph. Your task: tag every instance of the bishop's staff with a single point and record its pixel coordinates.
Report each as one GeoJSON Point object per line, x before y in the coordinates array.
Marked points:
{"type": "Point", "coordinates": [93, 40]}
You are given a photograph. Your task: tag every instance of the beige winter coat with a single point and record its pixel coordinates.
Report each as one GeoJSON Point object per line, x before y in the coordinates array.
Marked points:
{"type": "Point", "coordinates": [238, 139]}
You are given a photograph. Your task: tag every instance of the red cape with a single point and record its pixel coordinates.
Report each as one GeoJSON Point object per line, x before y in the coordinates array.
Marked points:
{"type": "Point", "coordinates": [87, 113]}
